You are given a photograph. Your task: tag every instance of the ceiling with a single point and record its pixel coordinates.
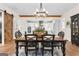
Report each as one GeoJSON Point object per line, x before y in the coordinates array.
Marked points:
{"type": "Point", "coordinates": [52, 8]}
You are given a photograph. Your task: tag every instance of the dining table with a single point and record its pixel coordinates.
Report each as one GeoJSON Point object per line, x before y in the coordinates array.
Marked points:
{"type": "Point", "coordinates": [57, 40]}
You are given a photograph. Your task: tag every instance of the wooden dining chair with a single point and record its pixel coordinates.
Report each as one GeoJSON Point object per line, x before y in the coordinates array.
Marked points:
{"type": "Point", "coordinates": [31, 43]}
{"type": "Point", "coordinates": [58, 44]}
{"type": "Point", "coordinates": [17, 35]}
{"type": "Point", "coordinates": [47, 43]}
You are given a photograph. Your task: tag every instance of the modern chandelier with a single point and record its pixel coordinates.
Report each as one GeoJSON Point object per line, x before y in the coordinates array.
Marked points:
{"type": "Point", "coordinates": [41, 12]}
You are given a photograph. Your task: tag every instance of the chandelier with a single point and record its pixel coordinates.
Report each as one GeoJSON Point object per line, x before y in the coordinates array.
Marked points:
{"type": "Point", "coordinates": [41, 12]}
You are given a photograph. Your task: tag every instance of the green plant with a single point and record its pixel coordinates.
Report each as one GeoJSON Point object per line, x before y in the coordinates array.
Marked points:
{"type": "Point", "coordinates": [39, 30]}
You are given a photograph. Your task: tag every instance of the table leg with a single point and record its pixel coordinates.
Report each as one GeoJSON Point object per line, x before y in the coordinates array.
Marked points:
{"type": "Point", "coordinates": [17, 49]}
{"type": "Point", "coordinates": [26, 50]}
{"type": "Point", "coordinates": [63, 49]}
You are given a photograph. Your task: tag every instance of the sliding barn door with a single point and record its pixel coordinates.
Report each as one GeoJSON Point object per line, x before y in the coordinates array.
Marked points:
{"type": "Point", "coordinates": [8, 27]}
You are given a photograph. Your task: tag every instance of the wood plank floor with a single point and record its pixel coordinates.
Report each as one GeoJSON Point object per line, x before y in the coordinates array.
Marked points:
{"type": "Point", "coordinates": [9, 48]}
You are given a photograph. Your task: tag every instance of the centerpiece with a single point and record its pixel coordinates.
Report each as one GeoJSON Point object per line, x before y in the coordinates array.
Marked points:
{"type": "Point", "coordinates": [40, 30]}
{"type": "Point", "coordinates": [39, 33]}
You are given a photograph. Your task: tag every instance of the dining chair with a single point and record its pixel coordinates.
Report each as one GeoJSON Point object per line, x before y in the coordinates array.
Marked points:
{"type": "Point", "coordinates": [61, 35]}
{"type": "Point", "coordinates": [57, 44]}
{"type": "Point", "coordinates": [17, 35]}
{"type": "Point", "coordinates": [31, 44]}
{"type": "Point", "coordinates": [47, 43]}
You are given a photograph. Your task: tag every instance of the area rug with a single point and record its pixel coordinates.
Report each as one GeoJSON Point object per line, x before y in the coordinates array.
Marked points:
{"type": "Point", "coordinates": [57, 52]}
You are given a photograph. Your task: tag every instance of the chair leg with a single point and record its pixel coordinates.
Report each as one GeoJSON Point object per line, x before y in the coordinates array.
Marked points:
{"type": "Point", "coordinates": [36, 51]}
{"type": "Point", "coordinates": [42, 51]}
{"type": "Point", "coordinates": [26, 51]}
{"type": "Point", "coordinates": [52, 48]}
{"type": "Point", "coordinates": [52, 51]}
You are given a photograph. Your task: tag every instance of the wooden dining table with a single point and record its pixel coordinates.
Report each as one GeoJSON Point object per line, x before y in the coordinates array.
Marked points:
{"type": "Point", "coordinates": [57, 40]}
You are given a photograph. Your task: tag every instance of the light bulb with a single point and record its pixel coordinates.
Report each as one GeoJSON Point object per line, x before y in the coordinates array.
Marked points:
{"type": "Point", "coordinates": [36, 10]}
{"type": "Point", "coordinates": [46, 12]}
{"type": "Point", "coordinates": [44, 9]}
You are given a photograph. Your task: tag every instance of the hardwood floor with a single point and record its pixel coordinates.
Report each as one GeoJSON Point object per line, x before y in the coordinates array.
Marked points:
{"type": "Point", "coordinates": [72, 50]}
{"type": "Point", "coordinates": [9, 48]}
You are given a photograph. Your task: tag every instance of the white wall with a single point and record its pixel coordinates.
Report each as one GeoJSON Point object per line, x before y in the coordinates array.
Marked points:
{"type": "Point", "coordinates": [66, 16]}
